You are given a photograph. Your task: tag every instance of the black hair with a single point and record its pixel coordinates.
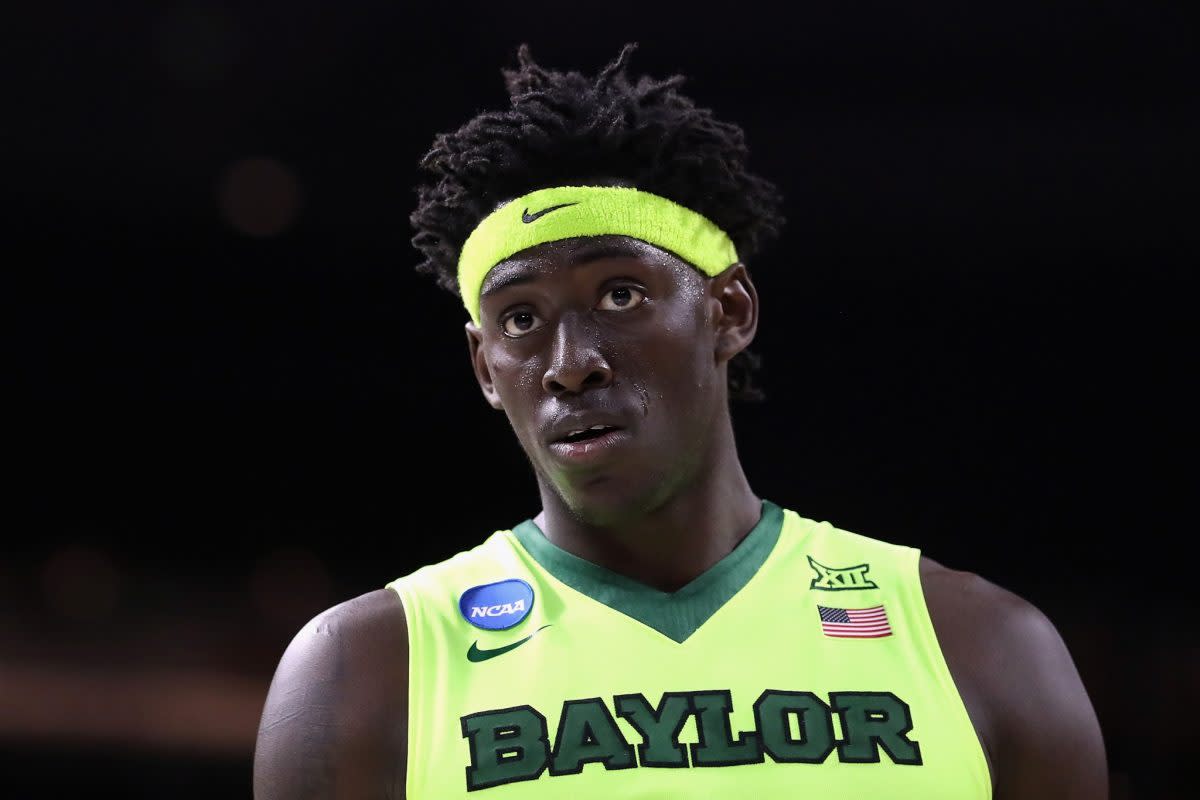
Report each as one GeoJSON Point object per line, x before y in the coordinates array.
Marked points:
{"type": "Point", "coordinates": [563, 126]}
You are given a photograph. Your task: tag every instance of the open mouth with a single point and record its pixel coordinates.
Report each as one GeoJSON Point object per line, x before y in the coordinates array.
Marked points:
{"type": "Point", "coordinates": [584, 434]}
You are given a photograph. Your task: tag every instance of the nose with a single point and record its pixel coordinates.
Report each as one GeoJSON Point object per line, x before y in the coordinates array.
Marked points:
{"type": "Point", "coordinates": [576, 363]}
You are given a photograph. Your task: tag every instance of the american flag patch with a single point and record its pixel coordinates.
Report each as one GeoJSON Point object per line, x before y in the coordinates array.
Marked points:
{"type": "Point", "coordinates": [854, 623]}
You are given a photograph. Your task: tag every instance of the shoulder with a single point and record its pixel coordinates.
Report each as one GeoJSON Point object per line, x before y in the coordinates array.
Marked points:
{"type": "Point", "coordinates": [334, 722]}
{"type": "Point", "coordinates": [987, 629]}
{"type": "Point", "coordinates": [963, 599]}
{"type": "Point", "coordinates": [1020, 686]}
{"type": "Point", "coordinates": [432, 592]}
{"type": "Point", "coordinates": [357, 635]}
{"type": "Point", "coordinates": [822, 539]}
{"type": "Point", "coordinates": [365, 614]}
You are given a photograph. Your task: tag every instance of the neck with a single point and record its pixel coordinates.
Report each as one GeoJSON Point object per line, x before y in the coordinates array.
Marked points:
{"type": "Point", "coordinates": [674, 540]}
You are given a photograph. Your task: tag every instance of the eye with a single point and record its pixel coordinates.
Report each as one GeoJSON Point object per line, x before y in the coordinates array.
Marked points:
{"type": "Point", "coordinates": [622, 298]}
{"type": "Point", "coordinates": [521, 323]}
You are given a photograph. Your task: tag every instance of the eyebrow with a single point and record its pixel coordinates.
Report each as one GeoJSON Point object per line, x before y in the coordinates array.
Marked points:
{"type": "Point", "coordinates": [584, 254]}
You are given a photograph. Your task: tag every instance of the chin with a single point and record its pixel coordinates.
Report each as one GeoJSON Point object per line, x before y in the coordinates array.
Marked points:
{"type": "Point", "coordinates": [608, 499]}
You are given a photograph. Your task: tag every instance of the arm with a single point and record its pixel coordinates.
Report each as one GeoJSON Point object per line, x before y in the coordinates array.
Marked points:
{"type": "Point", "coordinates": [336, 717]}
{"type": "Point", "coordinates": [1021, 688]}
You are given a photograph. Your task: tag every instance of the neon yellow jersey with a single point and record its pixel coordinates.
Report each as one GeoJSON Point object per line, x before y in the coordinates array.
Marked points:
{"type": "Point", "coordinates": [803, 664]}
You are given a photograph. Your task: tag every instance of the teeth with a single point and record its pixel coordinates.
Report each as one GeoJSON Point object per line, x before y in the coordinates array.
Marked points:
{"type": "Point", "coordinates": [583, 430]}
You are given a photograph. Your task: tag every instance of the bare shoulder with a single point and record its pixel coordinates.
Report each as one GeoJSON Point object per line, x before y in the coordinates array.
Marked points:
{"type": "Point", "coordinates": [1020, 686]}
{"type": "Point", "coordinates": [964, 602]}
{"type": "Point", "coordinates": [335, 719]}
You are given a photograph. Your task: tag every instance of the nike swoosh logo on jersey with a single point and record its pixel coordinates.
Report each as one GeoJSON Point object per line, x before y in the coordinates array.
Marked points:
{"type": "Point", "coordinates": [527, 217]}
{"type": "Point", "coordinates": [475, 654]}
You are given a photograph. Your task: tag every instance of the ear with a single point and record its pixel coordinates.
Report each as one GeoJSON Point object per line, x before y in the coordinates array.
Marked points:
{"type": "Point", "coordinates": [483, 372]}
{"type": "Point", "coordinates": [735, 311]}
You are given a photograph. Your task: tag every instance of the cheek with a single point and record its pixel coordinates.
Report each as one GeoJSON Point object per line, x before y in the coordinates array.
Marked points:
{"type": "Point", "coordinates": [684, 376]}
{"type": "Point", "coordinates": [514, 371]}
{"type": "Point", "coordinates": [689, 338]}
{"type": "Point", "coordinates": [517, 380]}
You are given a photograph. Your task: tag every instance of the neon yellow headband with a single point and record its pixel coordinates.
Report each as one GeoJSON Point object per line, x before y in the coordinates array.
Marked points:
{"type": "Point", "coordinates": [563, 212]}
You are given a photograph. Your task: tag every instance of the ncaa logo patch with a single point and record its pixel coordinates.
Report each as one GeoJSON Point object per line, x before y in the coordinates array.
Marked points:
{"type": "Point", "coordinates": [497, 606]}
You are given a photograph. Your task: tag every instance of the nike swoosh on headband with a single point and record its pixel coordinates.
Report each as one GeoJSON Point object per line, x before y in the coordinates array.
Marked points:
{"type": "Point", "coordinates": [527, 217]}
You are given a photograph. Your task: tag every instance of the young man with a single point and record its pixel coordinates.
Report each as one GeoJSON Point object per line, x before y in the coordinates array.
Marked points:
{"type": "Point", "coordinates": [656, 629]}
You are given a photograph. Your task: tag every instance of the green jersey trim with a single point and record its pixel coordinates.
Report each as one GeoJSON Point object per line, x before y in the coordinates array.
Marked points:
{"type": "Point", "coordinates": [676, 615]}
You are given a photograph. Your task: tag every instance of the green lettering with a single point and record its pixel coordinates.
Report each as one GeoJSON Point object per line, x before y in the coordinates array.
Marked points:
{"type": "Point", "coordinates": [771, 712]}
{"type": "Point", "coordinates": [587, 732]}
{"type": "Point", "coordinates": [717, 747]}
{"type": "Point", "coordinates": [659, 727]}
{"type": "Point", "coordinates": [507, 745]}
{"type": "Point", "coordinates": [873, 720]}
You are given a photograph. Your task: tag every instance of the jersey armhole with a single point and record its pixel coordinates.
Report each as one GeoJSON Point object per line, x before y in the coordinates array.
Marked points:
{"type": "Point", "coordinates": [410, 602]}
{"type": "Point", "coordinates": [945, 676]}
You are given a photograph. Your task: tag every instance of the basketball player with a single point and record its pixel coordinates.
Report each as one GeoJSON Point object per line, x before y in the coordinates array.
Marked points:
{"type": "Point", "coordinates": [656, 629]}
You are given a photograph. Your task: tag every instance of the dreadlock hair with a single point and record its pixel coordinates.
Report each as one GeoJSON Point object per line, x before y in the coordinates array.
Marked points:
{"type": "Point", "coordinates": [564, 127]}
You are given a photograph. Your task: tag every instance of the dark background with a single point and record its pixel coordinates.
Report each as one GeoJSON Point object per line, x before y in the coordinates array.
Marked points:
{"type": "Point", "coordinates": [235, 403]}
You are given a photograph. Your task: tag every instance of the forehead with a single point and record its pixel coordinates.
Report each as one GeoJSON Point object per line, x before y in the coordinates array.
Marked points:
{"type": "Point", "coordinates": [549, 257]}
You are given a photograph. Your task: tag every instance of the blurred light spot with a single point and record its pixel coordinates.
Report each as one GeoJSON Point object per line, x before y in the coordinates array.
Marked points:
{"type": "Point", "coordinates": [8, 592]}
{"type": "Point", "coordinates": [81, 583]}
{"type": "Point", "coordinates": [259, 197]}
{"type": "Point", "coordinates": [197, 44]}
{"type": "Point", "coordinates": [81, 705]}
{"type": "Point", "coordinates": [289, 587]}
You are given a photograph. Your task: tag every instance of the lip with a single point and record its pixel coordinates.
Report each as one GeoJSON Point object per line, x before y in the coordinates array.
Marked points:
{"type": "Point", "coordinates": [590, 449]}
{"type": "Point", "coordinates": [587, 450]}
{"type": "Point", "coordinates": [581, 420]}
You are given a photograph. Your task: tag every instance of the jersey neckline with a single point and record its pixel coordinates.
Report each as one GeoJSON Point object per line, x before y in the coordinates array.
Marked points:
{"type": "Point", "coordinates": [676, 615]}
